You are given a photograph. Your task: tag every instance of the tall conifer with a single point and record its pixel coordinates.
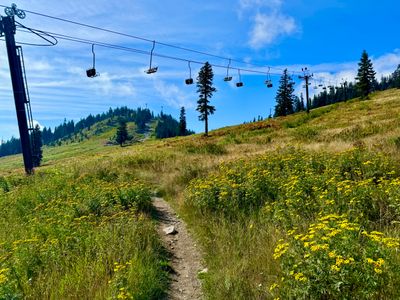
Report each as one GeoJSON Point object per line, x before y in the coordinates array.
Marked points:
{"type": "Point", "coordinates": [284, 97]}
{"type": "Point", "coordinates": [182, 122]}
{"type": "Point", "coordinates": [122, 133]}
{"type": "Point", "coordinates": [365, 75]}
{"type": "Point", "coordinates": [205, 89]}
{"type": "Point", "coordinates": [37, 152]}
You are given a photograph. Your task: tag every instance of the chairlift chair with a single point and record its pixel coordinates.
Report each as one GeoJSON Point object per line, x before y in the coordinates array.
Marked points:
{"type": "Point", "coordinates": [227, 77]}
{"type": "Point", "coordinates": [91, 72]}
{"type": "Point", "coordinates": [190, 79]}
{"type": "Point", "coordinates": [239, 83]}
{"type": "Point", "coordinates": [268, 83]}
{"type": "Point", "coordinates": [151, 69]}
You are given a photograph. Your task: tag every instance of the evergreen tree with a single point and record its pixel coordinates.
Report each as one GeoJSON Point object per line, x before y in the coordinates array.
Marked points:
{"type": "Point", "coordinates": [365, 76]}
{"type": "Point", "coordinates": [182, 122]}
{"type": "Point", "coordinates": [396, 78]}
{"type": "Point", "coordinates": [205, 89]}
{"type": "Point", "coordinates": [37, 152]}
{"type": "Point", "coordinates": [284, 97]}
{"type": "Point", "coordinates": [166, 127]}
{"type": "Point", "coordinates": [122, 133]}
{"type": "Point", "coordinates": [298, 104]}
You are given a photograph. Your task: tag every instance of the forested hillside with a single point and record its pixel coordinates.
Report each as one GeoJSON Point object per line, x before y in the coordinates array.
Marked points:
{"type": "Point", "coordinates": [69, 131]}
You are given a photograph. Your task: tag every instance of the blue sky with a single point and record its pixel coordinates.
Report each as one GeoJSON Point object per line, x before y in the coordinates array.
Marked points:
{"type": "Point", "coordinates": [326, 36]}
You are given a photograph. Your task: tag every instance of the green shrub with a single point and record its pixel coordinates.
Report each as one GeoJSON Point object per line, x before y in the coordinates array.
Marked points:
{"type": "Point", "coordinates": [306, 133]}
{"type": "Point", "coordinates": [4, 184]}
{"type": "Point", "coordinates": [205, 148]}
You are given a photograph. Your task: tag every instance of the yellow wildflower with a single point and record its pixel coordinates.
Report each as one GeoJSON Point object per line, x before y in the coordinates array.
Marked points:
{"type": "Point", "coordinates": [300, 277]}
{"type": "Point", "coordinates": [335, 268]}
{"type": "Point", "coordinates": [273, 286]}
{"type": "Point", "coordinates": [280, 250]}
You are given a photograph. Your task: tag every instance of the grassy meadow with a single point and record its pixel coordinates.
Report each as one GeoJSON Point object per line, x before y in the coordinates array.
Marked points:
{"type": "Point", "coordinates": [300, 207]}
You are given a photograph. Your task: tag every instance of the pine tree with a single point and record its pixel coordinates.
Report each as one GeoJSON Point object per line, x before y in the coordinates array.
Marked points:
{"type": "Point", "coordinates": [396, 78]}
{"type": "Point", "coordinates": [365, 76]}
{"type": "Point", "coordinates": [182, 122]}
{"type": "Point", "coordinates": [122, 133]}
{"type": "Point", "coordinates": [205, 89]}
{"type": "Point", "coordinates": [298, 104]}
{"type": "Point", "coordinates": [37, 152]}
{"type": "Point", "coordinates": [284, 97]}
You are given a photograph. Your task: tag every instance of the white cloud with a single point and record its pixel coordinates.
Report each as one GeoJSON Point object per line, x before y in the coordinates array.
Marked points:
{"type": "Point", "coordinates": [106, 85]}
{"type": "Point", "coordinates": [386, 64]}
{"type": "Point", "coordinates": [268, 21]}
{"type": "Point", "coordinates": [172, 94]}
{"type": "Point", "coordinates": [38, 65]}
{"type": "Point", "coordinates": [268, 28]}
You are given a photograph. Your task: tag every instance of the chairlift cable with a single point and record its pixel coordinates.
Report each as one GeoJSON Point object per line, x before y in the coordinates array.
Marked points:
{"type": "Point", "coordinates": [40, 34]}
{"type": "Point", "coordinates": [130, 49]}
{"type": "Point", "coordinates": [146, 39]}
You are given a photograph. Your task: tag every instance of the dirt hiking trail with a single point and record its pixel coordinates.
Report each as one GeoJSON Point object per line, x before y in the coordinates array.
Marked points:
{"type": "Point", "coordinates": [185, 257]}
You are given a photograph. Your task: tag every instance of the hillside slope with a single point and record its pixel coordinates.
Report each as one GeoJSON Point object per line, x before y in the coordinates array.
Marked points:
{"type": "Point", "coordinates": [373, 123]}
{"type": "Point", "coordinates": [246, 189]}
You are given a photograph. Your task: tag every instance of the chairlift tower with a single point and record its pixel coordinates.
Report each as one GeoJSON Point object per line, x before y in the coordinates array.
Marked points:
{"type": "Point", "coordinates": [18, 79]}
{"type": "Point", "coordinates": [307, 76]}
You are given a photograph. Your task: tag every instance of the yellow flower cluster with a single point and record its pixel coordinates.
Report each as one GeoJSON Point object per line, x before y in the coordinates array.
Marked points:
{"type": "Point", "coordinates": [379, 237]}
{"type": "Point", "coordinates": [119, 267]}
{"type": "Point", "coordinates": [377, 264]}
{"type": "Point", "coordinates": [339, 261]}
{"type": "Point", "coordinates": [280, 250]}
{"type": "Point", "coordinates": [300, 277]}
{"type": "Point", "coordinates": [123, 294]}
{"type": "Point", "coordinates": [3, 275]}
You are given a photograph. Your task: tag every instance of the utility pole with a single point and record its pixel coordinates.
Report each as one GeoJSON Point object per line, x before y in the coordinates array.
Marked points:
{"type": "Point", "coordinates": [307, 76]}
{"type": "Point", "coordinates": [7, 28]}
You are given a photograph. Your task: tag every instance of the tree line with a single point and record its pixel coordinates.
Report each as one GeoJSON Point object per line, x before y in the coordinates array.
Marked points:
{"type": "Point", "coordinates": [166, 127]}
{"type": "Point", "coordinates": [288, 103]}
{"type": "Point", "coordinates": [365, 83]}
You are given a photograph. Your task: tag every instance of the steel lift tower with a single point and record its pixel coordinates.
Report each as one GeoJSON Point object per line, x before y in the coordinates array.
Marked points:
{"type": "Point", "coordinates": [19, 84]}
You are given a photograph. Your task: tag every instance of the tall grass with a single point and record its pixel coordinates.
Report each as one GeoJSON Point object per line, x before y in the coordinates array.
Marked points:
{"type": "Point", "coordinates": [246, 206]}
{"type": "Point", "coordinates": [79, 236]}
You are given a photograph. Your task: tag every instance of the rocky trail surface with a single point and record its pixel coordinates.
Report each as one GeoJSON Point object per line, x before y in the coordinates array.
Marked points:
{"type": "Point", "coordinates": [185, 257]}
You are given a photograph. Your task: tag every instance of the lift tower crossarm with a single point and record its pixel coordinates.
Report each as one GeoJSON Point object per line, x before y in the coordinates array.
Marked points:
{"type": "Point", "coordinates": [7, 26]}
